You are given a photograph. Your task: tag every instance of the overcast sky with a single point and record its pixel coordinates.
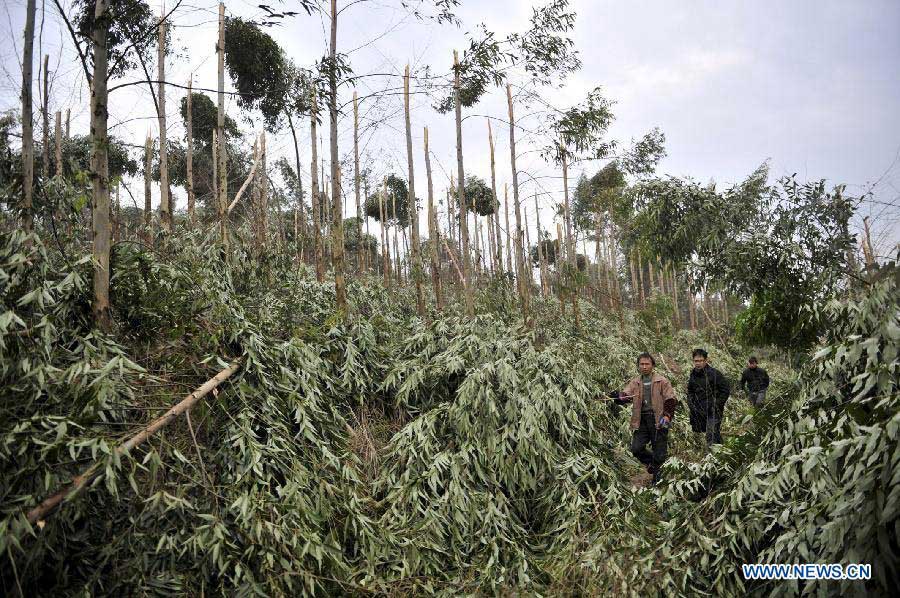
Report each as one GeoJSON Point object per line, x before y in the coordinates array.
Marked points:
{"type": "Point", "coordinates": [810, 86]}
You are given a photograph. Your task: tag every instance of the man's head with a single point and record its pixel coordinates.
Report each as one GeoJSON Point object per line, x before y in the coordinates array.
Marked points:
{"type": "Point", "coordinates": [752, 363]}
{"type": "Point", "coordinates": [645, 363]}
{"type": "Point", "coordinates": [699, 357]}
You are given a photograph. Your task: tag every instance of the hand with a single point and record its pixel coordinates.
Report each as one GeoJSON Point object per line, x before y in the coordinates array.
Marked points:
{"type": "Point", "coordinates": [664, 422]}
{"type": "Point", "coordinates": [613, 394]}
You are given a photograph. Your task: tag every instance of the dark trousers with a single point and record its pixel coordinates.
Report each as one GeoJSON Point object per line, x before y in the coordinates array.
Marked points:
{"type": "Point", "coordinates": [647, 433]}
{"type": "Point", "coordinates": [713, 430]}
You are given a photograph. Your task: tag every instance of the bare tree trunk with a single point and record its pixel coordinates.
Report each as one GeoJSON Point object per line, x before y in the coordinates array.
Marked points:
{"type": "Point", "coordinates": [520, 267]}
{"type": "Point", "coordinates": [634, 282]}
{"type": "Point", "coordinates": [498, 247]}
{"type": "Point", "coordinates": [433, 233]}
{"type": "Point", "coordinates": [314, 172]}
{"type": "Point", "coordinates": [413, 206]}
{"type": "Point", "coordinates": [45, 113]}
{"type": "Point", "coordinates": [597, 253]}
{"type": "Point", "coordinates": [542, 262]}
{"type": "Point", "coordinates": [100, 168]}
{"type": "Point", "coordinates": [451, 211]}
{"type": "Point", "coordinates": [117, 231]}
{"type": "Point", "coordinates": [189, 155]}
{"type": "Point", "coordinates": [220, 128]}
{"type": "Point", "coordinates": [263, 193]}
{"type": "Point", "coordinates": [299, 217]}
{"type": "Point", "coordinates": [384, 244]}
{"type": "Point", "coordinates": [68, 118]}
{"type": "Point", "coordinates": [58, 135]}
{"type": "Point", "coordinates": [398, 270]}
{"type": "Point", "coordinates": [509, 264]}
{"type": "Point", "coordinates": [148, 166]}
{"type": "Point", "coordinates": [27, 124]}
{"type": "Point", "coordinates": [360, 263]}
{"type": "Point", "coordinates": [461, 194]}
{"type": "Point", "coordinates": [369, 261]}
{"type": "Point", "coordinates": [165, 208]}
{"type": "Point", "coordinates": [337, 211]}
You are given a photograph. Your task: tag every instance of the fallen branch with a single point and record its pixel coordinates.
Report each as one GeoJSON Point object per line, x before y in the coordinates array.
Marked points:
{"type": "Point", "coordinates": [38, 513]}
{"type": "Point", "coordinates": [237, 196]}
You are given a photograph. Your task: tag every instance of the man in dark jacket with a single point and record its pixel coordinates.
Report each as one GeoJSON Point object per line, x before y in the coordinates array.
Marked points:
{"type": "Point", "coordinates": [755, 381]}
{"type": "Point", "coordinates": [707, 392]}
{"type": "Point", "coordinates": [653, 405]}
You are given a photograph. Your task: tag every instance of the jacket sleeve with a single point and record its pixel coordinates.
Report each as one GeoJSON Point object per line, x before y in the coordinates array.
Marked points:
{"type": "Point", "coordinates": [723, 389]}
{"type": "Point", "coordinates": [669, 400]}
{"type": "Point", "coordinates": [744, 380]}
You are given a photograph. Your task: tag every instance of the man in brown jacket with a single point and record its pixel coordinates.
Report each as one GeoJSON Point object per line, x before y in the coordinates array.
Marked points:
{"type": "Point", "coordinates": [652, 409]}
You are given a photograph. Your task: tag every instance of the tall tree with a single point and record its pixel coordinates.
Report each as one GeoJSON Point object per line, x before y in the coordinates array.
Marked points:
{"type": "Point", "coordinates": [413, 208]}
{"type": "Point", "coordinates": [100, 168]}
{"type": "Point", "coordinates": [27, 122]}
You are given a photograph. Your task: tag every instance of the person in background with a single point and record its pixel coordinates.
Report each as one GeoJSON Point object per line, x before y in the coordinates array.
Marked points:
{"type": "Point", "coordinates": [707, 392]}
{"type": "Point", "coordinates": [653, 405]}
{"type": "Point", "coordinates": [755, 381]}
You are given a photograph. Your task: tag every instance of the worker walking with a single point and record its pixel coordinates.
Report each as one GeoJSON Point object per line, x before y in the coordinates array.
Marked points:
{"type": "Point", "coordinates": [755, 381]}
{"type": "Point", "coordinates": [707, 392]}
{"type": "Point", "coordinates": [653, 405]}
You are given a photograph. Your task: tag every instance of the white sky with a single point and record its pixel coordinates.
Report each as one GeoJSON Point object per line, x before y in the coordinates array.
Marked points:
{"type": "Point", "coordinates": [811, 86]}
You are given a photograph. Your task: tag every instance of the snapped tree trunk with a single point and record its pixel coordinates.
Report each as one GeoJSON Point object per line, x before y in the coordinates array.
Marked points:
{"type": "Point", "coordinates": [45, 114]}
{"type": "Point", "coordinates": [27, 124]}
{"type": "Point", "coordinates": [58, 139]}
{"type": "Point", "coordinates": [165, 209]}
{"type": "Point", "coordinates": [523, 284]}
{"type": "Point", "coordinates": [337, 212]}
{"type": "Point", "coordinates": [433, 233]}
{"type": "Point", "coordinates": [220, 128]}
{"type": "Point", "coordinates": [498, 246]}
{"type": "Point", "coordinates": [314, 170]}
{"type": "Point", "coordinates": [189, 155]}
{"type": "Point", "coordinates": [100, 167]}
{"type": "Point", "coordinates": [360, 263]}
{"type": "Point", "coordinates": [413, 206]}
{"type": "Point", "coordinates": [385, 269]}
{"type": "Point", "coordinates": [461, 193]}
{"type": "Point", "coordinates": [148, 166]}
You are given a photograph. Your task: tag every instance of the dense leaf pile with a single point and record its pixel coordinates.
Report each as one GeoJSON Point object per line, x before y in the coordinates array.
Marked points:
{"type": "Point", "coordinates": [386, 454]}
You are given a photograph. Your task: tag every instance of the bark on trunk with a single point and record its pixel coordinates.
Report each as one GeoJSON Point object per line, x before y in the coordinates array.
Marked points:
{"type": "Point", "coordinates": [509, 266]}
{"type": "Point", "coordinates": [461, 194]}
{"type": "Point", "coordinates": [45, 113]}
{"type": "Point", "coordinates": [337, 212]}
{"type": "Point", "coordinates": [385, 270]}
{"type": "Point", "coordinates": [433, 233]}
{"type": "Point", "coordinates": [100, 168]}
{"type": "Point", "coordinates": [360, 259]}
{"type": "Point", "coordinates": [263, 193]}
{"type": "Point", "coordinates": [316, 216]}
{"type": "Point", "coordinates": [498, 246]}
{"type": "Point", "coordinates": [220, 128]}
{"type": "Point", "coordinates": [148, 165]}
{"type": "Point", "coordinates": [58, 135]}
{"type": "Point", "coordinates": [520, 266]}
{"type": "Point", "coordinates": [27, 125]}
{"type": "Point", "coordinates": [165, 209]}
{"type": "Point", "coordinates": [189, 156]}
{"type": "Point", "coordinates": [416, 264]}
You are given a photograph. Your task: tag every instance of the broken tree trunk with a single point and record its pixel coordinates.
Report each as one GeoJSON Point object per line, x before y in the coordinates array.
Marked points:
{"type": "Point", "coordinates": [189, 155]}
{"type": "Point", "coordinates": [27, 125]}
{"type": "Point", "coordinates": [523, 284]}
{"type": "Point", "coordinates": [461, 193]}
{"type": "Point", "coordinates": [165, 208]}
{"type": "Point", "coordinates": [220, 134]}
{"type": "Point", "coordinates": [100, 167]}
{"type": "Point", "coordinates": [316, 208]}
{"type": "Point", "coordinates": [49, 504]}
{"type": "Point", "coordinates": [45, 114]}
{"type": "Point", "coordinates": [413, 207]}
{"type": "Point", "coordinates": [433, 233]}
